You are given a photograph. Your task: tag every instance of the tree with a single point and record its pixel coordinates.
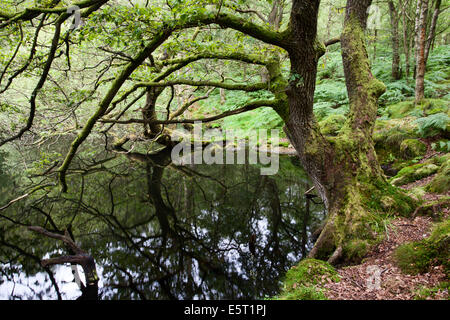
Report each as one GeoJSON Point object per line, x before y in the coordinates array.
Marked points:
{"type": "Point", "coordinates": [425, 35]}
{"type": "Point", "coordinates": [393, 13]}
{"type": "Point", "coordinates": [344, 169]}
{"type": "Point", "coordinates": [421, 29]}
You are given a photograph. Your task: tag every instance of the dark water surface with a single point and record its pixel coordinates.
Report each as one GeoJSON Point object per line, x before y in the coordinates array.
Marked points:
{"type": "Point", "coordinates": [159, 231]}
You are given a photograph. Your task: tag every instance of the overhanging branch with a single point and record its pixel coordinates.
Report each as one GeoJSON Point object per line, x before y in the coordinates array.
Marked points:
{"type": "Point", "coordinates": [250, 106]}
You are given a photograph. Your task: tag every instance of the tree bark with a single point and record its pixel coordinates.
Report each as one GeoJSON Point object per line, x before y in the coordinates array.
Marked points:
{"type": "Point", "coordinates": [406, 43]}
{"type": "Point", "coordinates": [344, 169]}
{"type": "Point", "coordinates": [396, 74]}
{"type": "Point", "coordinates": [432, 32]}
{"type": "Point", "coordinates": [421, 28]}
{"type": "Point", "coordinates": [149, 111]}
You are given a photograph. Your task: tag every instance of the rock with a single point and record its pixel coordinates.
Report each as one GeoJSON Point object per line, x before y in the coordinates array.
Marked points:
{"type": "Point", "coordinates": [412, 148]}
{"type": "Point", "coordinates": [440, 183]}
{"type": "Point", "coordinates": [414, 173]}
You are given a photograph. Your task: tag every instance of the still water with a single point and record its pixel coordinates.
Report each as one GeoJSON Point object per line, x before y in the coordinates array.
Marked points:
{"type": "Point", "coordinates": [159, 231]}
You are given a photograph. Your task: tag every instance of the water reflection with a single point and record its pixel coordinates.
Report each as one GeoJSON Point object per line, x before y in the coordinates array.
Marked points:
{"type": "Point", "coordinates": [159, 231]}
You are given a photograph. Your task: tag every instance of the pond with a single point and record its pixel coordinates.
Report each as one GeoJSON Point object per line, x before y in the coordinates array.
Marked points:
{"type": "Point", "coordinates": [157, 230]}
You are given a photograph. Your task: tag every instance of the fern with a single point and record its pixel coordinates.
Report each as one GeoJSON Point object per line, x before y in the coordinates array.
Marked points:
{"type": "Point", "coordinates": [443, 145]}
{"type": "Point", "coordinates": [397, 91]}
{"type": "Point", "coordinates": [433, 124]}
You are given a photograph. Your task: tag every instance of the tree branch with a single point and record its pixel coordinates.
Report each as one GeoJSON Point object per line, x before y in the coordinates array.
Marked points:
{"type": "Point", "coordinates": [64, 238]}
{"type": "Point", "coordinates": [250, 106]}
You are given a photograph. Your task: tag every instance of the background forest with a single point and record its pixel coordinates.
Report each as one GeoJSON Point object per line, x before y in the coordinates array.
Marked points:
{"type": "Point", "coordinates": [128, 206]}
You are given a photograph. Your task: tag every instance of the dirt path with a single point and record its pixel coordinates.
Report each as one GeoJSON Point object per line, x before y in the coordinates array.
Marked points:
{"type": "Point", "coordinates": [378, 278]}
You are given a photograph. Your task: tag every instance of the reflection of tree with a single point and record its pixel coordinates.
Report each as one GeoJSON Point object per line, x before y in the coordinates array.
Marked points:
{"type": "Point", "coordinates": [163, 232]}
{"type": "Point", "coordinates": [78, 256]}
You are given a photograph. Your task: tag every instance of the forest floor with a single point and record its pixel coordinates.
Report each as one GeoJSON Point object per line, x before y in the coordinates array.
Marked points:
{"type": "Point", "coordinates": [360, 282]}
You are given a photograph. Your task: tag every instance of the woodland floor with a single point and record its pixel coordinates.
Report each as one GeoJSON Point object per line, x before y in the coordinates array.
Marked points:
{"type": "Point", "coordinates": [393, 284]}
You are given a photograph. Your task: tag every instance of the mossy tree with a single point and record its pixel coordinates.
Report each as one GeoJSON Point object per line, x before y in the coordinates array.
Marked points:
{"type": "Point", "coordinates": [344, 168]}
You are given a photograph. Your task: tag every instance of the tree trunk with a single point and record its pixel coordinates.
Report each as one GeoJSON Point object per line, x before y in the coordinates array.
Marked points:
{"type": "Point", "coordinates": [421, 28]}
{"type": "Point", "coordinates": [375, 38]}
{"type": "Point", "coordinates": [406, 46]}
{"type": "Point", "coordinates": [149, 111]}
{"type": "Point", "coordinates": [344, 169]}
{"type": "Point", "coordinates": [396, 74]}
{"type": "Point", "coordinates": [432, 32]}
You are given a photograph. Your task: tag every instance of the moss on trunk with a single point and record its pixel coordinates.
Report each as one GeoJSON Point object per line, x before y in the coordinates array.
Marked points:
{"type": "Point", "coordinates": [357, 188]}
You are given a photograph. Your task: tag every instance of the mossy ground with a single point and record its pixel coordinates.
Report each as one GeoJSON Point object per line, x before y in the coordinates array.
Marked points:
{"type": "Point", "coordinates": [419, 256]}
{"type": "Point", "coordinates": [303, 281]}
{"type": "Point", "coordinates": [441, 183]}
{"type": "Point", "coordinates": [414, 173]}
{"type": "Point", "coordinates": [429, 293]}
{"type": "Point", "coordinates": [399, 132]}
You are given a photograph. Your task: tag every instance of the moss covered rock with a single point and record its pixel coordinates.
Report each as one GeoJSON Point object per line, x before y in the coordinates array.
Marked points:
{"type": "Point", "coordinates": [433, 106]}
{"type": "Point", "coordinates": [419, 256]}
{"type": "Point", "coordinates": [414, 173]}
{"type": "Point", "coordinates": [303, 281]}
{"type": "Point", "coordinates": [400, 110]}
{"type": "Point", "coordinates": [440, 183]}
{"type": "Point", "coordinates": [412, 148]}
{"type": "Point", "coordinates": [332, 124]}
{"type": "Point", "coordinates": [355, 250]}
{"type": "Point", "coordinates": [388, 137]}
{"type": "Point", "coordinates": [434, 209]}
{"type": "Point", "coordinates": [425, 108]}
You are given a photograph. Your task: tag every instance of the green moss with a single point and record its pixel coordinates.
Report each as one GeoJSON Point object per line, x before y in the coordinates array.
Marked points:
{"type": "Point", "coordinates": [418, 193]}
{"type": "Point", "coordinates": [303, 293]}
{"type": "Point", "coordinates": [424, 293]}
{"type": "Point", "coordinates": [412, 148]}
{"type": "Point", "coordinates": [332, 124]}
{"type": "Point", "coordinates": [434, 208]}
{"type": "Point", "coordinates": [389, 199]}
{"type": "Point", "coordinates": [425, 108]}
{"type": "Point", "coordinates": [419, 256]}
{"type": "Point", "coordinates": [414, 173]}
{"type": "Point", "coordinates": [433, 106]}
{"type": "Point", "coordinates": [400, 110]}
{"type": "Point", "coordinates": [355, 250]}
{"type": "Point", "coordinates": [442, 159]}
{"type": "Point", "coordinates": [302, 282]}
{"type": "Point", "coordinates": [388, 138]}
{"type": "Point", "coordinates": [440, 183]}
{"type": "Point", "coordinates": [310, 272]}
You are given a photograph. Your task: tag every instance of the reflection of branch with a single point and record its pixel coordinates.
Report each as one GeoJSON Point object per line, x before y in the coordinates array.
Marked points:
{"type": "Point", "coordinates": [36, 259]}
{"type": "Point", "coordinates": [15, 200]}
{"type": "Point", "coordinates": [190, 172]}
{"type": "Point", "coordinates": [90, 291]}
{"type": "Point", "coordinates": [64, 238]}
{"type": "Point", "coordinates": [25, 195]}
